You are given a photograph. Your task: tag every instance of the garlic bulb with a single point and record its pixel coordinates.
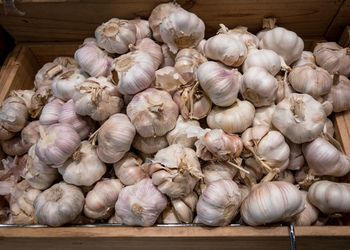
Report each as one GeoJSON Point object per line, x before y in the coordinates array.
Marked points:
{"type": "Point", "coordinates": [272, 202]}
{"type": "Point", "coordinates": [140, 204]}
{"type": "Point", "coordinates": [263, 58]}
{"type": "Point", "coordinates": [168, 216]}
{"type": "Point", "coordinates": [38, 174]}
{"type": "Point", "coordinates": [284, 89]}
{"type": "Point", "coordinates": [66, 61]}
{"type": "Point", "coordinates": [142, 29]}
{"type": "Point", "coordinates": [30, 133]}
{"type": "Point", "coordinates": [100, 201]}
{"type": "Point", "coordinates": [153, 112]}
{"type": "Point", "coordinates": [85, 168]}
{"type": "Point", "coordinates": [149, 145]}
{"type": "Point", "coordinates": [133, 72]}
{"type": "Point", "coordinates": [51, 112]}
{"type": "Point", "coordinates": [333, 58]}
{"type": "Point", "coordinates": [115, 35]}
{"type": "Point", "coordinates": [32, 99]}
{"type": "Point", "coordinates": [57, 143]}
{"type": "Point", "coordinates": [184, 207]}
{"type": "Point", "coordinates": [92, 59]}
{"type": "Point", "coordinates": [296, 157]}
{"type": "Point", "coordinates": [217, 145]}
{"type": "Point", "coordinates": [50, 203]}
{"type": "Point", "coordinates": [15, 146]}
{"type": "Point", "coordinates": [310, 79]}
{"type": "Point", "coordinates": [181, 29]}
{"type": "Point", "coordinates": [263, 116]}
{"type": "Point", "coordinates": [168, 57]}
{"type": "Point", "coordinates": [286, 176]}
{"type": "Point", "coordinates": [97, 98]}
{"type": "Point", "coordinates": [234, 119]}
{"type": "Point", "coordinates": [219, 203]}
{"type": "Point", "coordinates": [259, 87]}
{"type": "Point", "coordinates": [284, 42]}
{"type": "Point", "coordinates": [168, 79]}
{"type": "Point", "coordinates": [215, 171]}
{"type": "Point", "coordinates": [82, 125]}
{"type": "Point", "coordinates": [325, 159]}
{"type": "Point", "coordinates": [241, 33]}
{"type": "Point", "coordinates": [150, 47]}
{"type": "Point", "coordinates": [226, 49]}
{"type": "Point", "coordinates": [182, 133]}
{"type": "Point", "coordinates": [175, 170]}
{"type": "Point", "coordinates": [200, 46]}
{"type": "Point", "coordinates": [115, 219]}
{"type": "Point", "coordinates": [299, 117]}
{"type": "Point", "coordinates": [330, 197]}
{"type": "Point", "coordinates": [309, 215]}
{"type": "Point", "coordinates": [129, 170]}
{"type": "Point", "coordinates": [65, 85]}
{"type": "Point", "coordinates": [13, 116]}
{"type": "Point", "coordinates": [187, 62]}
{"type": "Point", "coordinates": [339, 94]}
{"type": "Point", "coordinates": [45, 75]}
{"type": "Point", "coordinates": [158, 14]}
{"type": "Point", "coordinates": [114, 138]}
{"type": "Point", "coordinates": [307, 57]}
{"type": "Point", "coordinates": [220, 83]}
{"type": "Point", "coordinates": [328, 128]}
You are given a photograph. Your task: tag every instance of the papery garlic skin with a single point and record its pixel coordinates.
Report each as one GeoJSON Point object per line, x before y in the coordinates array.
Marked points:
{"type": "Point", "coordinates": [284, 42]}
{"type": "Point", "coordinates": [181, 29]}
{"type": "Point", "coordinates": [241, 33]}
{"type": "Point", "coordinates": [168, 57]}
{"type": "Point", "coordinates": [284, 89]}
{"type": "Point", "coordinates": [129, 170]}
{"type": "Point", "coordinates": [220, 83]}
{"type": "Point", "coordinates": [149, 145]}
{"type": "Point", "coordinates": [142, 29]}
{"type": "Point", "coordinates": [49, 204]}
{"type": "Point", "coordinates": [263, 116]}
{"type": "Point", "coordinates": [65, 85]}
{"type": "Point", "coordinates": [115, 35]}
{"type": "Point", "coordinates": [333, 58]}
{"type": "Point", "coordinates": [151, 48]}
{"type": "Point", "coordinates": [114, 138]}
{"type": "Point", "coordinates": [115, 219]}
{"type": "Point", "coordinates": [309, 215]}
{"type": "Point", "coordinates": [263, 58]}
{"type": "Point", "coordinates": [85, 168]}
{"type": "Point", "coordinates": [234, 119]}
{"type": "Point", "coordinates": [215, 171]}
{"type": "Point", "coordinates": [299, 117]}
{"type": "Point", "coordinates": [286, 176]}
{"type": "Point", "coordinates": [168, 79]}
{"type": "Point", "coordinates": [219, 203]}
{"type": "Point", "coordinates": [153, 112]}
{"type": "Point", "coordinates": [296, 157]}
{"type": "Point", "coordinates": [330, 197]}
{"type": "Point", "coordinates": [328, 128]}
{"type": "Point", "coordinates": [182, 133]}
{"type": "Point", "coordinates": [168, 216]}
{"type": "Point", "coordinates": [15, 146]}
{"type": "Point", "coordinates": [339, 94]}
{"type": "Point", "coordinates": [140, 204]}
{"type": "Point", "coordinates": [57, 143]}
{"type": "Point", "coordinates": [185, 207]}
{"type": "Point", "coordinates": [307, 57]}
{"type": "Point", "coordinates": [325, 159]}
{"type": "Point", "coordinates": [45, 75]}
{"type": "Point", "coordinates": [51, 112]}
{"type": "Point", "coordinates": [272, 202]}
{"type": "Point", "coordinates": [30, 133]}
{"type": "Point", "coordinates": [175, 171]}
{"type": "Point", "coordinates": [226, 49]}
{"type": "Point", "coordinates": [100, 201]}
{"type": "Point", "coordinates": [187, 62]}
{"type": "Point", "coordinates": [66, 61]}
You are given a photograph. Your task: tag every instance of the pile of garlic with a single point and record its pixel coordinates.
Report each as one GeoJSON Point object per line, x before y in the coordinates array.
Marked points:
{"type": "Point", "coordinates": [151, 123]}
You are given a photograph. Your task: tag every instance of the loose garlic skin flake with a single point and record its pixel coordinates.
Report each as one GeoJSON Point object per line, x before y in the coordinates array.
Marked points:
{"type": "Point", "coordinates": [272, 202]}
{"type": "Point", "coordinates": [339, 94]}
{"type": "Point", "coordinates": [187, 62]}
{"type": "Point", "coordinates": [129, 170]}
{"type": "Point", "coordinates": [309, 215]}
{"type": "Point", "coordinates": [58, 205]}
{"type": "Point", "coordinates": [263, 58]}
{"type": "Point", "coordinates": [182, 133]}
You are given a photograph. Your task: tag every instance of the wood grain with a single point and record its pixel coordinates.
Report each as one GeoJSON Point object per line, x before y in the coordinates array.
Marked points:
{"type": "Point", "coordinates": [341, 20]}
{"type": "Point", "coordinates": [75, 20]}
{"type": "Point", "coordinates": [345, 37]}
{"type": "Point", "coordinates": [342, 130]}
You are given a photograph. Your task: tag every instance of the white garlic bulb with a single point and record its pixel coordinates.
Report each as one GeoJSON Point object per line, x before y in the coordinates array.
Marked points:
{"type": "Point", "coordinates": [50, 203]}
{"type": "Point", "coordinates": [129, 170]}
{"type": "Point", "coordinates": [272, 202]}
{"type": "Point", "coordinates": [150, 47]}
{"type": "Point", "coordinates": [309, 215]}
{"type": "Point", "coordinates": [168, 57]}
{"type": "Point", "coordinates": [140, 204]}
{"type": "Point", "coordinates": [200, 46]}
{"type": "Point", "coordinates": [328, 129]}
{"type": "Point", "coordinates": [153, 112]}
{"type": "Point", "coordinates": [175, 170]}
{"type": "Point", "coordinates": [149, 145]}
{"type": "Point", "coordinates": [84, 168]}
{"type": "Point", "coordinates": [264, 58]}
{"type": "Point", "coordinates": [182, 133]}
{"type": "Point", "coordinates": [184, 207]}
{"type": "Point", "coordinates": [57, 143]}
{"type": "Point", "coordinates": [284, 42]}
{"type": "Point", "coordinates": [234, 119]}
{"type": "Point", "coordinates": [115, 35]}
{"type": "Point", "coordinates": [51, 112]}
{"type": "Point", "coordinates": [226, 49]}
{"type": "Point", "coordinates": [97, 98]}
{"type": "Point", "coordinates": [115, 219]}
{"type": "Point", "coordinates": [339, 94]}
{"type": "Point", "coordinates": [168, 79]}
{"type": "Point", "coordinates": [181, 29]}
{"type": "Point", "coordinates": [15, 146]}
{"type": "Point", "coordinates": [325, 159]}
{"type": "Point", "coordinates": [241, 33]}
{"type": "Point", "coordinates": [299, 117]}
{"type": "Point", "coordinates": [333, 58]}
{"type": "Point", "coordinates": [168, 216]}
{"type": "Point", "coordinates": [38, 174]}
{"type": "Point", "coordinates": [219, 203]}
{"type": "Point", "coordinates": [65, 85]}
{"type": "Point", "coordinates": [307, 57]}
{"type": "Point", "coordinates": [310, 79]}
{"type": "Point", "coordinates": [30, 134]}
{"type": "Point", "coordinates": [45, 75]}
{"type": "Point", "coordinates": [330, 197]}
{"type": "Point", "coordinates": [220, 83]}
{"type": "Point", "coordinates": [100, 201]}
{"type": "Point", "coordinates": [187, 62]}
{"type": "Point", "coordinates": [263, 116]}
{"type": "Point", "coordinates": [114, 138]}
{"type": "Point", "coordinates": [296, 157]}
{"type": "Point", "coordinates": [142, 29]}
{"type": "Point", "coordinates": [215, 171]}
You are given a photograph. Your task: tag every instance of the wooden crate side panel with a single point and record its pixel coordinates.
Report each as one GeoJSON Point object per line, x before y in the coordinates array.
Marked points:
{"type": "Point", "coordinates": [341, 20]}
{"type": "Point", "coordinates": [75, 20]}
{"type": "Point", "coordinates": [342, 130]}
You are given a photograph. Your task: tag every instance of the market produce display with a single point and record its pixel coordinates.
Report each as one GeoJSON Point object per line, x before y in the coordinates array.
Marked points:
{"type": "Point", "coordinates": [151, 123]}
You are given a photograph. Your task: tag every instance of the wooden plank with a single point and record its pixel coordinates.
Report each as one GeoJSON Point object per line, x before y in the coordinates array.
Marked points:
{"type": "Point", "coordinates": [73, 21]}
{"type": "Point", "coordinates": [345, 37]}
{"type": "Point", "coordinates": [342, 130]}
{"type": "Point", "coordinates": [338, 24]}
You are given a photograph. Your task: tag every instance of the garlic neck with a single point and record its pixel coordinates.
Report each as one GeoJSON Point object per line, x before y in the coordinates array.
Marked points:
{"type": "Point", "coordinates": [55, 70]}
{"type": "Point", "coordinates": [269, 23]}
{"type": "Point", "coordinates": [156, 109]}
